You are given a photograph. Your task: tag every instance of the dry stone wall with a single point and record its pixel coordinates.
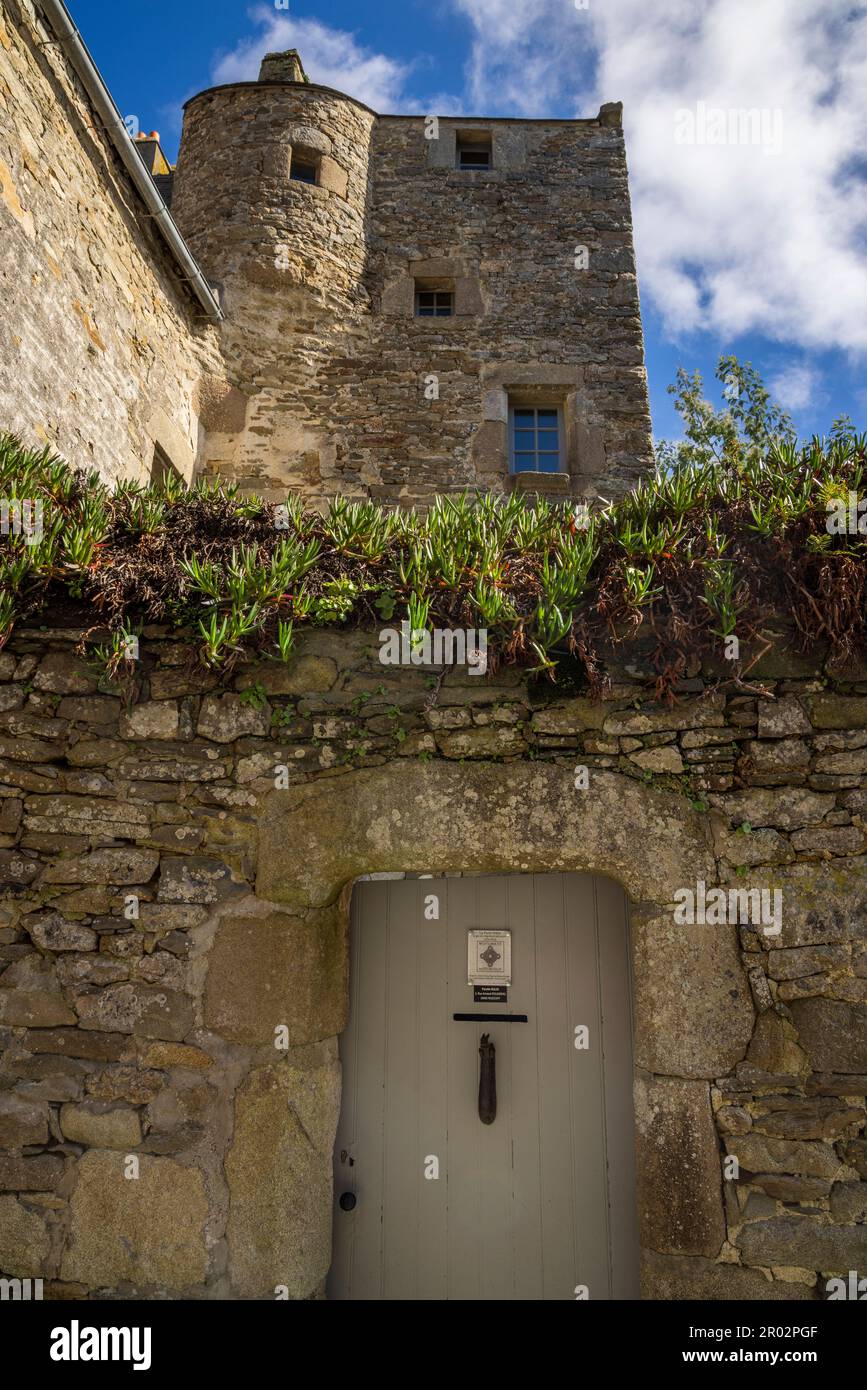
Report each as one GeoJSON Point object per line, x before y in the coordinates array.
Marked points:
{"type": "Point", "coordinates": [170, 911]}
{"type": "Point", "coordinates": [102, 347]}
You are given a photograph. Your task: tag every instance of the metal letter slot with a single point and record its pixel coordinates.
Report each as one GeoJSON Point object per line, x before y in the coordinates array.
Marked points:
{"type": "Point", "coordinates": [489, 1018]}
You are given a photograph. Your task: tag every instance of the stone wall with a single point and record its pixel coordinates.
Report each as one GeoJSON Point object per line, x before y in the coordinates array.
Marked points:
{"type": "Point", "coordinates": [101, 343]}
{"type": "Point", "coordinates": [167, 906]}
{"type": "Point", "coordinates": [333, 386]}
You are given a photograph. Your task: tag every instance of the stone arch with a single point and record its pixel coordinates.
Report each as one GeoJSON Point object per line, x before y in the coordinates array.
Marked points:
{"type": "Point", "coordinates": [692, 1006]}
{"type": "Point", "coordinates": [516, 817]}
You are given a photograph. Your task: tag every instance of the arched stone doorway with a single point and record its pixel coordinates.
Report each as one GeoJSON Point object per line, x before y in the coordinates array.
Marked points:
{"type": "Point", "coordinates": [692, 1007]}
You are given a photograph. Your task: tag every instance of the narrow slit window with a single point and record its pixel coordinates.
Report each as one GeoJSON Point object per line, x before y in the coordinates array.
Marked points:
{"type": "Point", "coordinates": [474, 151]}
{"type": "Point", "coordinates": [536, 439]}
{"type": "Point", "coordinates": [434, 304]}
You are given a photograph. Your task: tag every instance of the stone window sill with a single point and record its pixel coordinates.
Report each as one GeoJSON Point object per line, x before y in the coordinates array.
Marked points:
{"type": "Point", "coordinates": [545, 484]}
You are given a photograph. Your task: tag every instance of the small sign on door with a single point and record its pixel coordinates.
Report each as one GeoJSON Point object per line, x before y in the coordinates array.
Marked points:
{"type": "Point", "coordinates": [489, 957]}
{"type": "Point", "coordinates": [490, 994]}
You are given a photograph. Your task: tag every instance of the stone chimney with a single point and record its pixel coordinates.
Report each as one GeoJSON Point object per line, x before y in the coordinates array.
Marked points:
{"type": "Point", "coordinates": [283, 67]}
{"type": "Point", "coordinates": [151, 152]}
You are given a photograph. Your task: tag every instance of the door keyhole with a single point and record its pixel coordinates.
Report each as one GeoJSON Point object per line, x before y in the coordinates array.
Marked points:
{"type": "Point", "coordinates": [487, 1080]}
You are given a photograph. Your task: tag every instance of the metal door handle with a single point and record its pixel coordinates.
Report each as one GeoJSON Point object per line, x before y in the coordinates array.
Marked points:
{"type": "Point", "coordinates": [347, 1201]}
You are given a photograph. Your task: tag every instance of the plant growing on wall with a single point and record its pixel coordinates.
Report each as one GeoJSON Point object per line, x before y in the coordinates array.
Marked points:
{"type": "Point", "coordinates": [730, 530]}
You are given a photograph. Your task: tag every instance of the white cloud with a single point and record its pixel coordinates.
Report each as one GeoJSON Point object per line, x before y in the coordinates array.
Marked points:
{"type": "Point", "coordinates": [797, 386]}
{"type": "Point", "coordinates": [332, 57]}
{"type": "Point", "coordinates": [730, 239]}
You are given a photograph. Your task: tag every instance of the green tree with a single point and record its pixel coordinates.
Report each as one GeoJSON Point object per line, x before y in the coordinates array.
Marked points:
{"type": "Point", "coordinates": [740, 432]}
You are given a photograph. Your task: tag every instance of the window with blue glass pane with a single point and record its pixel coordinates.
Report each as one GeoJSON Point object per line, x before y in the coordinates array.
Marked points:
{"type": "Point", "coordinates": [434, 304]}
{"type": "Point", "coordinates": [536, 435]}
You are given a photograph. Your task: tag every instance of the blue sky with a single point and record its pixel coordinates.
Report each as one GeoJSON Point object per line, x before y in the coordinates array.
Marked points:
{"type": "Point", "coordinates": [751, 239]}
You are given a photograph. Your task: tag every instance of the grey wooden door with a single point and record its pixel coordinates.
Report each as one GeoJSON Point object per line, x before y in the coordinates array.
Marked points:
{"type": "Point", "coordinates": [540, 1204]}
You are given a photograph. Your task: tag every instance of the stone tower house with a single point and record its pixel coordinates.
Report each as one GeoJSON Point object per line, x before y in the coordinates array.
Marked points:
{"type": "Point", "coordinates": [395, 288]}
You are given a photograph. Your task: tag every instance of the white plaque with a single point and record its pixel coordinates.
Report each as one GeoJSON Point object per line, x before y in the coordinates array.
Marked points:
{"type": "Point", "coordinates": [489, 957]}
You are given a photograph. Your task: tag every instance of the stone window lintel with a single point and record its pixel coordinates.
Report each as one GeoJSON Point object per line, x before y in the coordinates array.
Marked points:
{"type": "Point", "coordinates": [172, 443]}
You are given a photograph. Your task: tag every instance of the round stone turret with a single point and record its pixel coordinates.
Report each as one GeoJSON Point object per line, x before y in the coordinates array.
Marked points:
{"type": "Point", "coordinates": [271, 194]}
{"type": "Point", "coordinates": [271, 184]}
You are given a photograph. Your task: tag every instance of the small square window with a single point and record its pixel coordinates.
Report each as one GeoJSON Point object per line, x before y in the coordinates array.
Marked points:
{"type": "Point", "coordinates": [303, 170]}
{"type": "Point", "coordinates": [535, 439]}
{"type": "Point", "coordinates": [434, 304]}
{"type": "Point", "coordinates": [474, 151]}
